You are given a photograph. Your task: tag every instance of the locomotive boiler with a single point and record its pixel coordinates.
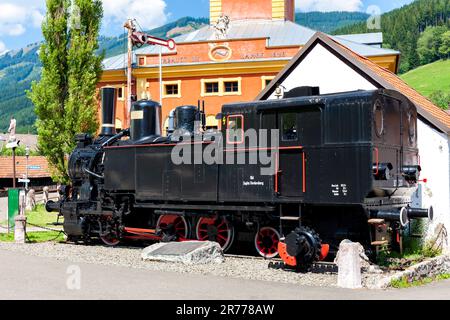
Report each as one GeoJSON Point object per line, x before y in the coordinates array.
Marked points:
{"type": "Point", "coordinates": [291, 177]}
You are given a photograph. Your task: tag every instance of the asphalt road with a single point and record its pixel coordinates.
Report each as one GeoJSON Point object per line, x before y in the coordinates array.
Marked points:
{"type": "Point", "coordinates": [29, 277]}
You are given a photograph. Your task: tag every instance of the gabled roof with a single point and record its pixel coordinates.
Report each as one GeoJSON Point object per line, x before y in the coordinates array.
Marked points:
{"type": "Point", "coordinates": [380, 77]}
{"type": "Point", "coordinates": [277, 33]}
{"type": "Point", "coordinates": [374, 38]}
{"type": "Point", "coordinates": [37, 167]}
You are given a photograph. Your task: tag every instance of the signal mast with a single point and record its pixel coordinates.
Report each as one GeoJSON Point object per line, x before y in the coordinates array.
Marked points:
{"type": "Point", "coordinates": [138, 39]}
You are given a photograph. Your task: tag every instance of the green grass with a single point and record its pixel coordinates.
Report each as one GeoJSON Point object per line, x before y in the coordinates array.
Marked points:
{"type": "Point", "coordinates": [39, 217]}
{"type": "Point", "coordinates": [415, 251]}
{"type": "Point", "coordinates": [35, 237]}
{"type": "Point", "coordinates": [430, 78]}
{"type": "Point", "coordinates": [404, 283]}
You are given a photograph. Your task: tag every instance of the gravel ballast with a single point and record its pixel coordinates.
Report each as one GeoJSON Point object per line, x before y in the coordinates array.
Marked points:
{"type": "Point", "coordinates": [245, 268]}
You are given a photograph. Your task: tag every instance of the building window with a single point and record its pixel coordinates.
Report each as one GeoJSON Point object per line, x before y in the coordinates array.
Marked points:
{"type": "Point", "coordinates": [172, 89]}
{"type": "Point", "coordinates": [142, 61]}
{"type": "Point", "coordinates": [121, 93]}
{"type": "Point", "coordinates": [266, 80]}
{"type": "Point", "coordinates": [235, 129]}
{"type": "Point", "coordinates": [212, 87]}
{"type": "Point", "coordinates": [231, 86]}
{"type": "Point", "coordinates": [289, 125]}
{"type": "Point", "coordinates": [221, 87]}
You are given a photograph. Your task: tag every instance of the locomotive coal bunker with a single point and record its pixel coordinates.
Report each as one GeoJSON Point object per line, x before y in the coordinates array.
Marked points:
{"type": "Point", "coordinates": [342, 166]}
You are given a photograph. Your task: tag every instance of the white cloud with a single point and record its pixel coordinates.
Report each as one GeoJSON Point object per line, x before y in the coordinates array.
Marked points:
{"type": "Point", "coordinates": [328, 5]}
{"type": "Point", "coordinates": [15, 17]}
{"type": "Point", "coordinates": [149, 13]}
{"type": "Point", "coordinates": [37, 17]}
{"type": "Point", "coordinates": [2, 48]}
{"type": "Point", "coordinates": [16, 29]}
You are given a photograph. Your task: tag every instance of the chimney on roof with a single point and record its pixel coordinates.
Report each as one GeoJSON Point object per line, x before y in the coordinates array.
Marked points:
{"type": "Point", "coordinates": [252, 9]}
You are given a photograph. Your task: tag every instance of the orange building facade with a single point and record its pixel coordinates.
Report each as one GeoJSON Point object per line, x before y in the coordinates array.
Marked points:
{"type": "Point", "coordinates": [232, 60]}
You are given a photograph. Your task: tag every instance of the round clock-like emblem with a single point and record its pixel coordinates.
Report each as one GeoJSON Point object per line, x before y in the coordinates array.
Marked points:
{"type": "Point", "coordinates": [220, 53]}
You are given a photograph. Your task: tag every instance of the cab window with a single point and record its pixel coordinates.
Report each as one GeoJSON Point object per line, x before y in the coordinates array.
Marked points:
{"type": "Point", "coordinates": [235, 129]}
{"type": "Point", "coordinates": [289, 126]}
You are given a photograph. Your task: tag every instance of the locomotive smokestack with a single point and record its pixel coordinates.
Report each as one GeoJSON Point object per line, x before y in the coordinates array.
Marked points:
{"type": "Point", "coordinates": [108, 111]}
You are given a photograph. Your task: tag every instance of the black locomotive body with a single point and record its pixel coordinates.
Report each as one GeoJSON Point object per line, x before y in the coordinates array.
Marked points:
{"type": "Point", "coordinates": [293, 176]}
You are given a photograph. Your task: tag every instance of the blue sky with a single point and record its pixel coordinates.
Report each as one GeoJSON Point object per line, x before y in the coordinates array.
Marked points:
{"type": "Point", "coordinates": [20, 19]}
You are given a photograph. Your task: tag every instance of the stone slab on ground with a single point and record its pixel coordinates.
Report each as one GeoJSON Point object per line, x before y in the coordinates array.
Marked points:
{"type": "Point", "coordinates": [188, 252]}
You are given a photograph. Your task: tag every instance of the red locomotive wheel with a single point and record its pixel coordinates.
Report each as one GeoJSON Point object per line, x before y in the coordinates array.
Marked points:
{"type": "Point", "coordinates": [221, 229]}
{"type": "Point", "coordinates": [179, 224]}
{"type": "Point", "coordinates": [110, 240]}
{"type": "Point", "coordinates": [266, 242]}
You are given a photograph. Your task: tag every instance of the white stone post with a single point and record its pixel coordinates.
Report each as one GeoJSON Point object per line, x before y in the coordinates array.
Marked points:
{"type": "Point", "coordinates": [349, 265]}
{"type": "Point", "coordinates": [31, 200]}
{"type": "Point", "coordinates": [46, 195]}
{"type": "Point", "coordinates": [20, 229]}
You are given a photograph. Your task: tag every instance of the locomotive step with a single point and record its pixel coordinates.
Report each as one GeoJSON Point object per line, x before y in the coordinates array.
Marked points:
{"type": "Point", "coordinates": [380, 243]}
{"type": "Point", "coordinates": [376, 221]}
{"type": "Point", "coordinates": [290, 218]}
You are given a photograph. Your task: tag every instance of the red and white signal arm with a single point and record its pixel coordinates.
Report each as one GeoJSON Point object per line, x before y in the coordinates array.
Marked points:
{"type": "Point", "coordinates": [166, 43]}
{"type": "Point", "coordinates": [171, 44]}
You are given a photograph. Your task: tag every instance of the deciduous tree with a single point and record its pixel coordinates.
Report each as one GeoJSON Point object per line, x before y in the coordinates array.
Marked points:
{"type": "Point", "coordinates": [64, 98]}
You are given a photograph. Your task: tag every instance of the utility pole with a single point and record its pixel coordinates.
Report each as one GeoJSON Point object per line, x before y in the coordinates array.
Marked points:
{"type": "Point", "coordinates": [131, 28]}
{"type": "Point", "coordinates": [14, 166]}
{"type": "Point", "coordinates": [160, 77]}
{"type": "Point", "coordinates": [27, 155]}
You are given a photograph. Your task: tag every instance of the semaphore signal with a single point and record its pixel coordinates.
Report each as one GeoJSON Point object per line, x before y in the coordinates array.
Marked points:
{"type": "Point", "coordinates": [138, 39]}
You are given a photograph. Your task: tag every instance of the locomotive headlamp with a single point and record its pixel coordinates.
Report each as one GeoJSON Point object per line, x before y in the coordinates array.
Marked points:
{"type": "Point", "coordinates": [382, 171]}
{"type": "Point", "coordinates": [411, 173]}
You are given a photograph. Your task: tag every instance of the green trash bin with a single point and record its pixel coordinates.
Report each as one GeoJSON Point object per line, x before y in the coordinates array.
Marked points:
{"type": "Point", "coordinates": [13, 206]}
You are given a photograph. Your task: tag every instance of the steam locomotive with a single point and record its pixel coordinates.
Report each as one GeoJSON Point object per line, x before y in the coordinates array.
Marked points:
{"type": "Point", "coordinates": [336, 166]}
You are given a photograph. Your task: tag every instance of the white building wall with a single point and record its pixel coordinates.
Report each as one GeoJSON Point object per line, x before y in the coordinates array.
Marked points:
{"type": "Point", "coordinates": [434, 150]}
{"type": "Point", "coordinates": [323, 69]}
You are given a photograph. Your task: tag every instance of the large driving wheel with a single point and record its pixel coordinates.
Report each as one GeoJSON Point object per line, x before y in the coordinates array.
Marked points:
{"type": "Point", "coordinates": [219, 230]}
{"type": "Point", "coordinates": [110, 235]}
{"type": "Point", "coordinates": [174, 225]}
{"type": "Point", "coordinates": [266, 242]}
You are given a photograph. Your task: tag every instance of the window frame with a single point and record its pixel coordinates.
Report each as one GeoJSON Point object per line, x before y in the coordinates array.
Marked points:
{"type": "Point", "coordinates": [264, 79]}
{"type": "Point", "coordinates": [234, 93]}
{"type": "Point", "coordinates": [225, 92]}
{"type": "Point", "coordinates": [242, 138]}
{"type": "Point", "coordinates": [221, 85]}
{"type": "Point", "coordinates": [294, 114]}
{"type": "Point", "coordinates": [205, 83]}
{"type": "Point", "coordinates": [121, 97]}
{"type": "Point", "coordinates": [171, 83]}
